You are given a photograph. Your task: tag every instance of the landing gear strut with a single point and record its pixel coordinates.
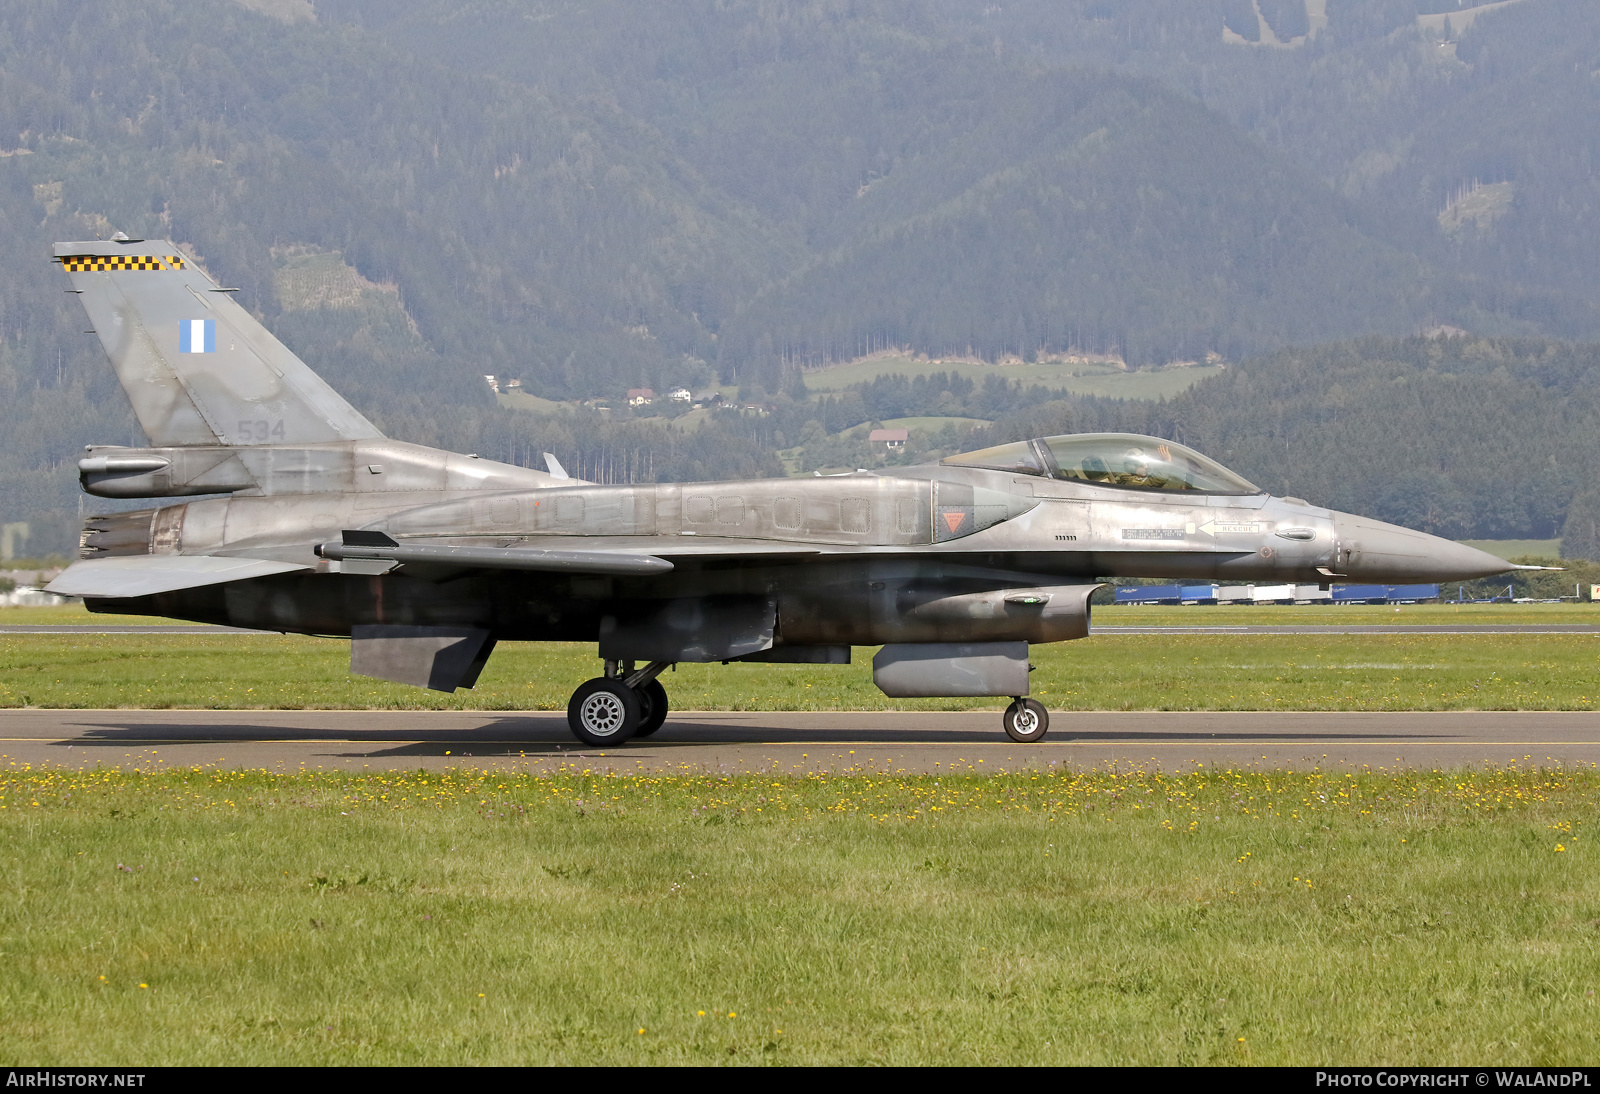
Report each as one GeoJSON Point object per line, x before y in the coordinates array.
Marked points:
{"type": "Point", "coordinates": [1026, 720]}
{"type": "Point", "coordinates": [623, 703]}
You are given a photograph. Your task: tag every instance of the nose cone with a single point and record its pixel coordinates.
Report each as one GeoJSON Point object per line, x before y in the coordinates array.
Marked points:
{"type": "Point", "coordinates": [1370, 550]}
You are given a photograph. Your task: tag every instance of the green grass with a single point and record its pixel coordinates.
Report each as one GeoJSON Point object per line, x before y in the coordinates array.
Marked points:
{"type": "Point", "coordinates": [693, 420]}
{"type": "Point", "coordinates": [1041, 917]}
{"type": "Point", "coordinates": [1115, 672]}
{"type": "Point", "coordinates": [534, 404]}
{"type": "Point", "coordinates": [74, 614]}
{"type": "Point", "coordinates": [927, 423]}
{"type": "Point", "coordinates": [1079, 377]}
{"type": "Point", "coordinates": [1202, 615]}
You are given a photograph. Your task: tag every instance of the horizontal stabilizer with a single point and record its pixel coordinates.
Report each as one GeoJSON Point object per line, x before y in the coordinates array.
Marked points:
{"type": "Point", "coordinates": [353, 550]}
{"type": "Point", "coordinates": [145, 575]}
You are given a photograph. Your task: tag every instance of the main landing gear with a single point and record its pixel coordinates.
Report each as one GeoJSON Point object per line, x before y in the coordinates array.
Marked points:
{"type": "Point", "coordinates": [624, 703]}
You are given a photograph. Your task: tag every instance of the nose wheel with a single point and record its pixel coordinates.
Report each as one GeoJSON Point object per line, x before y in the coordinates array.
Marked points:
{"type": "Point", "coordinates": [1026, 720]}
{"type": "Point", "coordinates": [622, 704]}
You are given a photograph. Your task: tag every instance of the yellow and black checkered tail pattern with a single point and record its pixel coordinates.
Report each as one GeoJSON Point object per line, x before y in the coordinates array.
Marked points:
{"type": "Point", "coordinates": [98, 263]}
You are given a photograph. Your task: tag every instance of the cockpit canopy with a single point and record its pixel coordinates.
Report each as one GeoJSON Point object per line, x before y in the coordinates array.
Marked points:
{"type": "Point", "coordinates": [1124, 460]}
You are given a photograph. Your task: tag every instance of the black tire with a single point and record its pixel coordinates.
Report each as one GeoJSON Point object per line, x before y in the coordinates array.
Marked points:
{"type": "Point", "coordinates": [652, 708]}
{"type": "Point", "coordinates": [603, 712]}
{"type": "Point", "coordinates": [1026, 720]}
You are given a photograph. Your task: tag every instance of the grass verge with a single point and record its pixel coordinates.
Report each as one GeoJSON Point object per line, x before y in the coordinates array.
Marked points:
{"type": "Point", "coordinates": [1107, 672]}
{"type": "Point", "coordinates": [1109, 615]}
{"type": "Point", "coordinates": [211, 917]}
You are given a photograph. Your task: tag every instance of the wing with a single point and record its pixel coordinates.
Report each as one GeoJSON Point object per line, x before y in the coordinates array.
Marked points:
{"type": "Point", "coordinates": [369, 552]}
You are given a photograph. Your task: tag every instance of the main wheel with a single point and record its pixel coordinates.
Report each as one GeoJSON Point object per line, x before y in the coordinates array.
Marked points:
{"type": "Point", "coordinates": [653, 708]}
{"type": "Point", "coordinates": [603, 712]}
{"type": "Point", "coordinates": [1026, 720]}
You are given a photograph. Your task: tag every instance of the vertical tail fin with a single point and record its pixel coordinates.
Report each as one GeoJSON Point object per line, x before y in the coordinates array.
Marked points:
{"type": "Point", "coordinates": [199, 369]}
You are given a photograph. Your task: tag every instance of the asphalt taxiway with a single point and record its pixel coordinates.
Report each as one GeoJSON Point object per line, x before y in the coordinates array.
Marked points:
{"type": "Point", "coordinates": [788, 742]}
{"type": "Point", "coordinates": [1271, 628]}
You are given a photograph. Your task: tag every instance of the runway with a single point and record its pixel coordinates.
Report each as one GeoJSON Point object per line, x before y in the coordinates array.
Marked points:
{"type": "Point", "coordinates": [1310, 628]}
{"type": "Point", "coordinates": [793, 742]}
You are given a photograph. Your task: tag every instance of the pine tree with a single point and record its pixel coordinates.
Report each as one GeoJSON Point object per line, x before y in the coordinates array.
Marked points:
{"type": "Point", "coordinates": [1580, 535]}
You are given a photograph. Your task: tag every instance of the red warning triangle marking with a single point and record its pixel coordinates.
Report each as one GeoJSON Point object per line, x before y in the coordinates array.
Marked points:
{"type": "Point", "coordinates": [953, 519]}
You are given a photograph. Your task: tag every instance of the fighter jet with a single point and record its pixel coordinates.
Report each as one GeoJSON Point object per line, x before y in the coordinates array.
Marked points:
{"type": "Point", "coordinates": [306, 519]}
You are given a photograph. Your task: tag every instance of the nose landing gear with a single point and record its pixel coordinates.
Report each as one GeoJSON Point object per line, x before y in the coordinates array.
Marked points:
{"type": "Point", "coordinates": [1026, 720]}
{"type": "Point", "coordinates": [623, 703]}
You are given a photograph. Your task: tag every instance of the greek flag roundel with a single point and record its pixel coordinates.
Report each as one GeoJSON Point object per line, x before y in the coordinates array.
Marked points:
{"type": "Point", "coordinates": [197, 336]}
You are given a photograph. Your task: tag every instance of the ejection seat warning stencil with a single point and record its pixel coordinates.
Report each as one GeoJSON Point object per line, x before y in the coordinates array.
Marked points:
{"type": "Point", "coordinates": [197, 336]}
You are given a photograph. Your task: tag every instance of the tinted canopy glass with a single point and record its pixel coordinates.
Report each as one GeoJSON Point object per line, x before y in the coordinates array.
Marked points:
{"type": "Point", "coordinates": [1124, 460]}
{"type": "Point", "coordinates": [1022, 457]}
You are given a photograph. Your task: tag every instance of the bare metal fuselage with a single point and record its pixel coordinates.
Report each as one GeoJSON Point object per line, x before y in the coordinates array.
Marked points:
{"type": "Point", "coordinates": [859, 559]}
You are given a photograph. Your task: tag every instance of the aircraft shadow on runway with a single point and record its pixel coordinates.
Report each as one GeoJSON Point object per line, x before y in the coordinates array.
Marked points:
{"type": "Point", "coordinates": [527, 735]}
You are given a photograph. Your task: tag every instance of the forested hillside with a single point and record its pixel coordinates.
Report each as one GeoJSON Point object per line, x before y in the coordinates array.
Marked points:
{"type": "Point", "coordinates": [593, 195]}
{"type": "Point", "coordinates": [1463, 437]}
{"type": "Point", "coordinates": [1050, 234]}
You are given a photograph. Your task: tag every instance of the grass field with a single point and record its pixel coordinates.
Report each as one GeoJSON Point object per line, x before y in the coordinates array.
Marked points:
{"type": "Point", "coordinates": [1042, 916]}
{"type": "Point", "coordinates": [521, 400]}
{"type": "Point", "coordinates": [928, 424]}
{"type": "Point", "coordinates": [209, 917]}
{"type": "Point", "coordinates": [1107, 672]}
{"type": "Point", "coordinates": [1079, 377]}
{"type": "Point", "coordinates": [1298, 615]}
{"type": "Point", "coordinates": [74, 614]}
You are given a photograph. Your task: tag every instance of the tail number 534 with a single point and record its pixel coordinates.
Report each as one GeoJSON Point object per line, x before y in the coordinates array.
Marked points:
{"type": "Point", "coordinates": [260, 431]}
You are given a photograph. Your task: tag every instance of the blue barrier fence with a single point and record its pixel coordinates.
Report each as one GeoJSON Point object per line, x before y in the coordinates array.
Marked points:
{"type": "Point", "coordinates": [1213, 594]}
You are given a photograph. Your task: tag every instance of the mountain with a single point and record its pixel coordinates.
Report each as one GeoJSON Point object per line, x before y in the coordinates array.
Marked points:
{"type": "Point", "coordinates": [592, 195]}
{"type": "Point", "coordinates": [1097, 215]}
